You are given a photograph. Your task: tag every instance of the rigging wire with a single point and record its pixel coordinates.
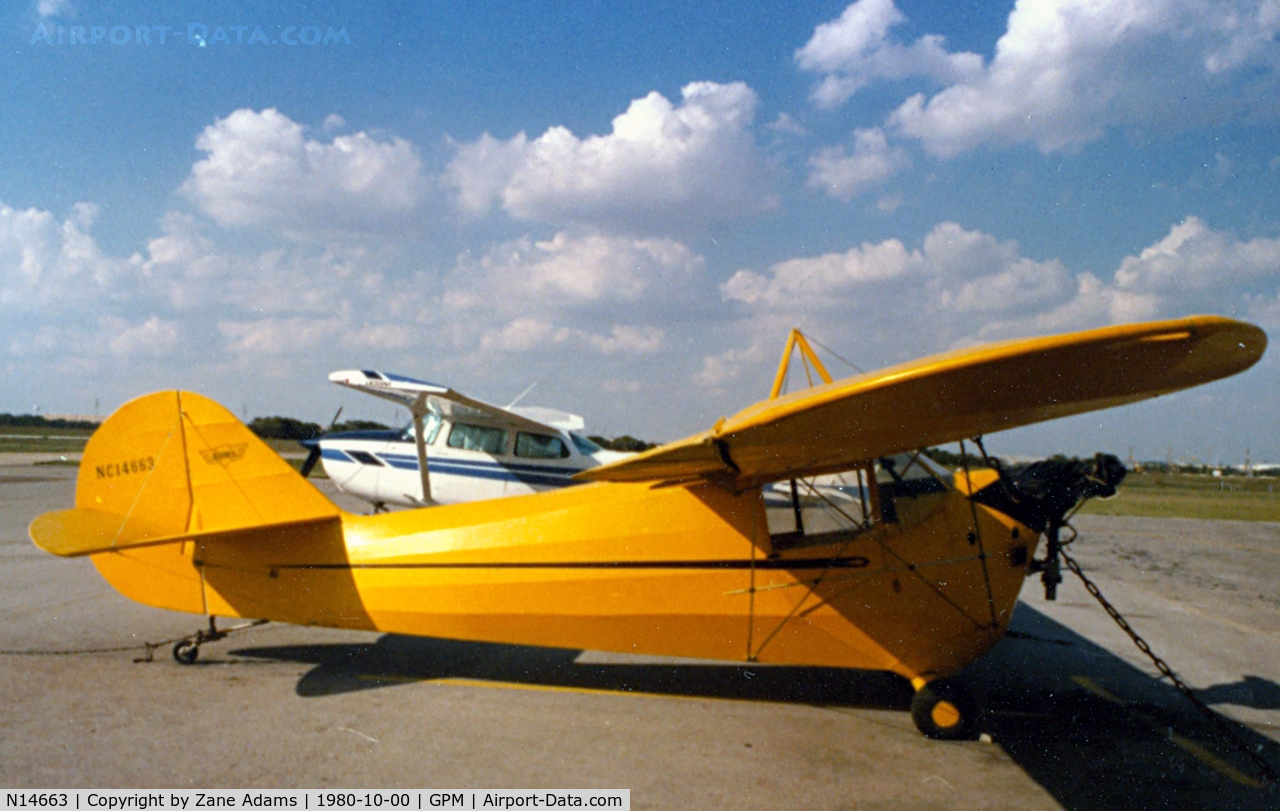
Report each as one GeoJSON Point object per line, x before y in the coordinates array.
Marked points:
{"type": "Point", "coordinates": [977, 535]}
{"type": "Point", "coordinates": [837, 355]}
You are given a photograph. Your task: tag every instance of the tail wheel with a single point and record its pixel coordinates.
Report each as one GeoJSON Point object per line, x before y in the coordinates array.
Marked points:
{"type": "Point", "coordinates": [186, 651]}
{"type": "Point", "coordinates": [945, 710]}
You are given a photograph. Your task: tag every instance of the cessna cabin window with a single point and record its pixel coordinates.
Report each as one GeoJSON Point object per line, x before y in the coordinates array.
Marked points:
{"type": "Point", "coordinates": [585, 446]}
{"type": "Point", "coordinates": [365, 458]}
{"type": "Point", "coordinates": [481, 438]}
{"type": "Point", "coordinates": [540, 446]}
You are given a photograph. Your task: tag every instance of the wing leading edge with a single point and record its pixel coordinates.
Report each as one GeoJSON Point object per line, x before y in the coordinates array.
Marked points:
{"type": "Point", "coordinates": [947, 397]}
{"type": "Point", "coordinates": [415, 394]}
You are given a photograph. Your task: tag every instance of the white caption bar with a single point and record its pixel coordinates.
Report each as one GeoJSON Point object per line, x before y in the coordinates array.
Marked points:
{"type": "Point", "coordinates": [311, 800]}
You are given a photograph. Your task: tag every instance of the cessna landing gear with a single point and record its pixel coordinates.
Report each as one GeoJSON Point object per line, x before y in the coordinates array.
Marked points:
{"type": "Point", "coordinates": [187, 650]}
{"type": "Point", "coordinates": [945, 710]}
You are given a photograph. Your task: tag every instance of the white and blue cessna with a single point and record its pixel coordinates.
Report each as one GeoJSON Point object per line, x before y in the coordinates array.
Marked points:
{"type": "Point", "coordinates": [476, 450]}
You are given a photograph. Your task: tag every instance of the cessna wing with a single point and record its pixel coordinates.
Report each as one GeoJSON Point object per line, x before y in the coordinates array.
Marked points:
{"type": "Point", "coordinates": [418, 397]}
{"type": "Point", "coordinates": [949, 397]}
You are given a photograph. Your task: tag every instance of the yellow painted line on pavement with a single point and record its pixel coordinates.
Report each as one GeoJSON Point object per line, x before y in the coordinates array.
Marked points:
{"type": "Point", "coordinates": [1097, 689]}
{"type": "Point", "coordinates": [1213, 761]}
{"type": "Point", "coordinates": [1186, 744]}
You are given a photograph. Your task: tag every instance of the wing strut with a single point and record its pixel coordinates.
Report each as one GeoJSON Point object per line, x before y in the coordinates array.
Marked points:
{"type": "Point", "coordinates": [421, 442]}
{"type": "Point", "coordinates": [796, 338]}
{"type": "Point", "coordinates": [419, 408]}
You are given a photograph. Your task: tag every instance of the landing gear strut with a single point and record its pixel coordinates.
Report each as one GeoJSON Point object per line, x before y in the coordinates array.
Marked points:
{"type": "Point", "coordinates": [945, 710]}
{"type": "Point", "coordinates": [187, 650]}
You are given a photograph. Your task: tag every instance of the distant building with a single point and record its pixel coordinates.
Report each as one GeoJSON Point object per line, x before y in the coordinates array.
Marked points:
{"type": "Point", "coordinates": [96, 419]}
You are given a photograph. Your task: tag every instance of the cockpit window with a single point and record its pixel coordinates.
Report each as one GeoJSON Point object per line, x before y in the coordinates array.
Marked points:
{"type": "Point", "coordinates": [585, 446]}
{"type": "Point", "coordinates": [540, 446]}
{"type": "Point", "coordinates": [817, 510]}
{"type": "Point", "coordinates": [906, 489]}
{"type": "Point", "coordinates": [478, 438]}
{"type": "Point", "coordinates": [431, 425]}
{"type": "Point", "coordinates": [909, 486]}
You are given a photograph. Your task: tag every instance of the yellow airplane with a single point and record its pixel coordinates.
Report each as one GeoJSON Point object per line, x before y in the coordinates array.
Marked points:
{"type": "Point", "coordinates": [670, 552]}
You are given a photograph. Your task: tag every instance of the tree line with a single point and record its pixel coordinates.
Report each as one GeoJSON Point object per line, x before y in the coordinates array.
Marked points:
{"type": "Point", "coordinates": [35, 421]}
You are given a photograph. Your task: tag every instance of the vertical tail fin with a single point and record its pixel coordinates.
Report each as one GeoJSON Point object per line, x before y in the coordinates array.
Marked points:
{"type": "Point", "coordinates": [174, 465]}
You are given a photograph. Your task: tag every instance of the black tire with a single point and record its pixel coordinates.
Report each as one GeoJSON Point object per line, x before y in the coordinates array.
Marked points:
{"type": "Point", "coordinates": [186, 652]}
{"type": "Point", "coordinates": [945, 710]}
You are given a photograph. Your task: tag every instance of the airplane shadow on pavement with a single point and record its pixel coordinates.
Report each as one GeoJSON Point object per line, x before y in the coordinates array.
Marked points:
{"type": "Point", "coordinates": [1094, 731]}
{"type": "Point", "coordinates": [393, 659]}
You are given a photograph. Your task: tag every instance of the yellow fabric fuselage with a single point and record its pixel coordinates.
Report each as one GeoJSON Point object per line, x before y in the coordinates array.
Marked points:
{"type": "Point", "coordinates": [681, 571]}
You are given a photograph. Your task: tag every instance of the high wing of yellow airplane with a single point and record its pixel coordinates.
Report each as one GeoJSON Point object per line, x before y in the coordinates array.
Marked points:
{"type": "Point", "coordinates": [948, 397]}
{"type": "Point", "coordinates": [683, 551]}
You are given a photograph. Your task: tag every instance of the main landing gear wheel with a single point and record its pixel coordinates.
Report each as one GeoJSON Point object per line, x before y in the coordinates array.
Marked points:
{"type": "Point", "coordinates": [945, 710]}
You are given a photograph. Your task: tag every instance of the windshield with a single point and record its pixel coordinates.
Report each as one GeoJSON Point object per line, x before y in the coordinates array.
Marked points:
{"type": "Point", "coordinates": [431, 424]}
{"type": "Point", "coordinates": [585, 446]}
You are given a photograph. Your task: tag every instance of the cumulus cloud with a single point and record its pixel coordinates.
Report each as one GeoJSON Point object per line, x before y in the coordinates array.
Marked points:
{"type": "Point", "coordinates": [1192, 269]}
{"type": "Point", "coordinates": [535, 335]}
{"type": "Point", "coordinates": [1193, 258]}
{"type": "Point", "coordinates": [955, 270]}
{"type": "Point", "coordinates": [69, 306]}
{"type": "Point", "coordinates": [480, 170]}
{"type": "Point", "coordinates": [261, 169]}
{"type": "Point", "coordinates": [192, 273]}
{"type": "Point", "coordinates": [891, 302]}
{"type": "Point", "coordinates": [185, 302]}
{"type": "Point", "coordinates": [823, 281]}
{"type": "Point", "coordinates": [786, 124]}
{"type": "Point", "coordinates": [277, 336]}
{"type": "Point", "coordinates": [843, 176]}
{"type": "Point", "coordinates": [961, 286]}
{"type": "Point", "coordinates": [856, 49]}
{"type": "Point", "coordinates": [628, 340]}
{"type": "Point", "coordinates": [585, 292]}
{"type": "Point", "coordinates": [46, 265]}
{"type": "Point", "coordinates": [378, 337]}
{"type": "Point", "coordinates": [662, 163]}
{"type": "Point", "coordinates": [571, 272]}
{"type": "Point", "coordinates": [1064, 73]}
{"type": "Point", "coordinates": [719, 370]}
{"type": "Point", "coordinates": [154, 336]}
{"type": "Point", "coordinates": [1067, 71]}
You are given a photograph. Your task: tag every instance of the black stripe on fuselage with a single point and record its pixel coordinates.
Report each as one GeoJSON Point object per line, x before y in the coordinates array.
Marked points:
{"type": "Point", "coordinates": [854, 562]}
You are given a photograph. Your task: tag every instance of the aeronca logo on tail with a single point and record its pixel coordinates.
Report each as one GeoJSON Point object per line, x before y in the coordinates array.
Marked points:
{"type": "Point", "coordinates": [224, 454]}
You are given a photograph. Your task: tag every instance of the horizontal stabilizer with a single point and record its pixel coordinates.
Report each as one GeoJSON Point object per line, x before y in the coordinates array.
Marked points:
{"type": "Point", "coordinates": [76, 532]}
{"type": "Point", "coordinates": [949, 397]}
{"type": "Point", "coordinates": [71, 533]}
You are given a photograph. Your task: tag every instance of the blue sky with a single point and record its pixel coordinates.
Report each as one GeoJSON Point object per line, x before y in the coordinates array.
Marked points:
{"type": "Point", "coordinates": [628, 204]}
